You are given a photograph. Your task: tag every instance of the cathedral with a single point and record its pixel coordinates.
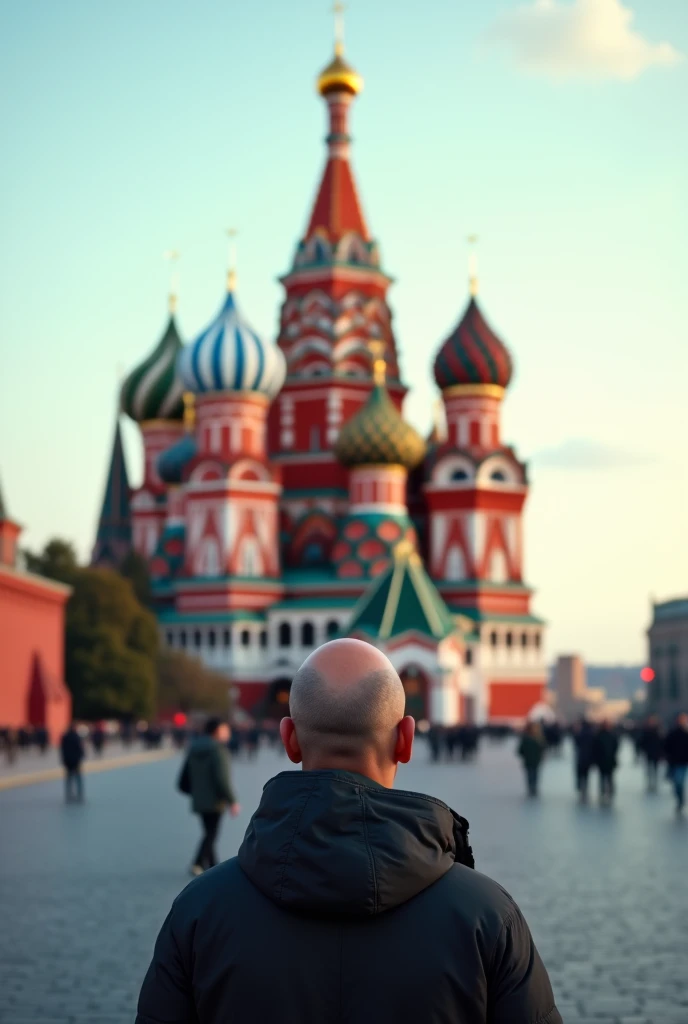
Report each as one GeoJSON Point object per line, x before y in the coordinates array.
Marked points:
{"type": "Point", "coordinates": [285, 501]}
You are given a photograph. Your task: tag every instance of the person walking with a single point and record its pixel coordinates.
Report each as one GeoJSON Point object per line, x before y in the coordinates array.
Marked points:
{"type": "Point", "coordinates": [583, 739]}
{"type": "Point", "coordinates": [676, 753]}
{"type": "Point", "coordinates": [652, 747]}
{"type": "Point", "coordinates": [318, 918]}
{"type": "Point", "coordinates": [531, 750]}
{"type": "Point", "coordinates": [72, 754]}
{"type": "Point", "coordinates": [605, 750]}
{"type": "Point", "coordinates": [205, 777]}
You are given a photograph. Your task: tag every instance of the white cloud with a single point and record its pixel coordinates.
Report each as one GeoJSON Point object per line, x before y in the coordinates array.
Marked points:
{"type": "Point", "coordinates": [582, 38]}
{"type": "Point", "coordinates": [585, 453]}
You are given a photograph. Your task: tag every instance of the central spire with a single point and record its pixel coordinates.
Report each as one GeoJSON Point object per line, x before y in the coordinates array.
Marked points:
{"type": "Point", "coordinates": [337, 210]}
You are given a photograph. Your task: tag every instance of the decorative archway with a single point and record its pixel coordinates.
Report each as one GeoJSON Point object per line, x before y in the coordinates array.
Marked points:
{"type": "Point", "coordinates": [417, 689]}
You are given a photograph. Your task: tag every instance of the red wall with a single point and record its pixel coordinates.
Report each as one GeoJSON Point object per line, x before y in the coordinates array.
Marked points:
{"type": "Point", "coordinates": [32, 623]}
{"type": "Point", "coordinates": [513, 700]}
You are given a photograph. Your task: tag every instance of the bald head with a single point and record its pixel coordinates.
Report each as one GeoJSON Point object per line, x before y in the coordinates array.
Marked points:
{"type": "Point", "coordinates": [345, 697]}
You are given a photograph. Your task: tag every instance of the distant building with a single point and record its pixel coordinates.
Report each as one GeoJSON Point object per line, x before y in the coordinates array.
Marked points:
{"type": "Point", "coordinates": [286, 501]}
{"type": "Point", "coordinates": [668, 641]}
{"type": "Point", "coordinates": [32, 688]}
{"type": "Point", "coordinates": [574, 698]}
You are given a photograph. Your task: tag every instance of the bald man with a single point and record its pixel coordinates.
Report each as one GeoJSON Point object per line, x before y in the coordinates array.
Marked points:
{"type": "Point", "coordinates": [349, 902]}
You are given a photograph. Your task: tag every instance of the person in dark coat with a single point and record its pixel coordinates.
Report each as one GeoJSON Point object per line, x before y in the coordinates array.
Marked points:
{"type": "Point", "coordinates": [652, 748]}
{"type": "Point", "coordinates": [72, 754]}
{"type": "Point", "coordinates": [676, 753]}
{"type": "Point", "coordinates": [205, 777]}
{"type": "Point", "coordinates": [349, 900]}
{"type": "Point", "coordinates": [605, 750]}
{"type": "Point", "coordinates": [531, 750]}
{"type": "Point", "coordinates": [583, 738]}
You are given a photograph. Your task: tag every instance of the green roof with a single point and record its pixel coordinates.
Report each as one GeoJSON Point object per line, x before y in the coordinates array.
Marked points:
{"type": "Point", "coordinates": [313, 602]}
{"type": "Point", "coordinates": [477, 615]}
{"type": "Point", "coordinates": [173, 618]}
{"type": "Point", "coordinates": [401, 599]}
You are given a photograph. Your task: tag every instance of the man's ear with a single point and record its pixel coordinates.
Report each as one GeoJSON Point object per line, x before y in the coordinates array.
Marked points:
{"type": "Point", "coordinates": [290, 740]}
{"type": "Point", "coordinates": [404, 746]}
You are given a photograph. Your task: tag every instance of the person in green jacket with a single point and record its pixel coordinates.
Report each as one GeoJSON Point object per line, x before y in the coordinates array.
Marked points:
{"type": "Point", "coordinates": [205, 777]}
{"type": "Point", "coordinates": [531, 750]}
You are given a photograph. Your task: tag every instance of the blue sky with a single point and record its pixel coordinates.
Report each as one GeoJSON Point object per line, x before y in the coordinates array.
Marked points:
{"type": "Point", "coordinates": [553, 128]}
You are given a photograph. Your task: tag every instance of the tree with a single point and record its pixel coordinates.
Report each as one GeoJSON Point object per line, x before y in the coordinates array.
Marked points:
{"type": "Point", "coordinates": [57, 561]}
{"type": "Point", "coordinates": [111, 647]}
{"type": "Point", "coordinates": [135, 568]}
{"type": "Point", "coordinates": [185, 684]}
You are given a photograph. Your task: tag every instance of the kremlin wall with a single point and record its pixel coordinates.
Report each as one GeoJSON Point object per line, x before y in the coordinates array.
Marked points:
{"type": "Point", "coordinates": [286, 501]}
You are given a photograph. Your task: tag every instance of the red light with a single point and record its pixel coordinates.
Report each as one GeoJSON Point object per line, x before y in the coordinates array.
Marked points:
{"type": "Point", "coordinates": [179, 719]}
{"type": "Point", "coordinates": [647, 674]}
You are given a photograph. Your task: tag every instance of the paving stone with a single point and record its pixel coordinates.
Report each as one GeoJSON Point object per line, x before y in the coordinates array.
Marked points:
{"type": "Point", "coordinates": [86, 888]}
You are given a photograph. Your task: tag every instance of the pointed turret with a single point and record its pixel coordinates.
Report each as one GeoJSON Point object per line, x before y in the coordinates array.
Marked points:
{"type": "Point", "coordinates": [9, 534]}
{"type": "Point", "coordinates": [113, 539]}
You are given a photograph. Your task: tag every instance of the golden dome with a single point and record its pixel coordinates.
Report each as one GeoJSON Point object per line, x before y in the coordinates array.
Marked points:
{"type": "Point", "coordinates": [338, 76]}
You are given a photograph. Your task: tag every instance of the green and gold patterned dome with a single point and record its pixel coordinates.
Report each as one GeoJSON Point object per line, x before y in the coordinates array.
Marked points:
{"type": "Point", "coordinates": [377, 434]}
{"type": "Point", "coordinates": [153, 391]}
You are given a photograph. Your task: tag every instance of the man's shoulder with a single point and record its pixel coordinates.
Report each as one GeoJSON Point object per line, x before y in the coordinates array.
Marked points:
{"type": "Point", "coordinates": [475, 897]}
{"type": "Point", "coordinates": [208, 889]}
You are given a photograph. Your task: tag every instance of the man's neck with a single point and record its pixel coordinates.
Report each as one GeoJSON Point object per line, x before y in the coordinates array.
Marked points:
{"type": "Point", "coordinates": [368, 767]}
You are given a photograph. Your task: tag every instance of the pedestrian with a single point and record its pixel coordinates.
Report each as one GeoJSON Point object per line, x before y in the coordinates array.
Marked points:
{"type": "Point", "coordinates": [583, 739]}
{"type": "Point", "coordinates": [531, 750]}
{"type": "Point", "coordinates": [651, 745]}
{"type": "Point", "coordinates": [98, 738]}
{"type": "Point", "coordinates": [676, 753]}
{"type": "Point", "coordinates": [318, 918]}
{"type": "Point", "coordinates": [605, 747]}
{"type": "Point", "coordinates": [72, 754]}
{"type": "Point", "coordinates": [205, 777]}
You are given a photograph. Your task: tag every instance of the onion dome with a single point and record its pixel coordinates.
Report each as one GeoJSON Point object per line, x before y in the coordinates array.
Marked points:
{"type": "Point", "coordinates": [339, 76]}
{"type": "Point", "coordinates": [152, 391]}
{"type": "Point", "coordinates": [473, 354]}
{"type": "Point", "coordinates": [377, 434]}
{"type": "Point", "coordinates": [173, 462]}
{"type": "Point", "coordinates": [229, 356]}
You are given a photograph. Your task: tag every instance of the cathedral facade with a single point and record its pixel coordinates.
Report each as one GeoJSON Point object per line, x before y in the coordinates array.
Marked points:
{"type": "Point", "coordinates": [285, 501]}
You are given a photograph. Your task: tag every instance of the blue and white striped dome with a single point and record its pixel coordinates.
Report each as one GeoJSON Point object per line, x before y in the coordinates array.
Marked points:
{"type": "Point", "coordinates": [230, 356]}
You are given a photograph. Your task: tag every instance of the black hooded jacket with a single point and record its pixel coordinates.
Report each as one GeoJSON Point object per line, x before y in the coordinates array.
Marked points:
{"type": "Point", "coordinates": [348, 903]}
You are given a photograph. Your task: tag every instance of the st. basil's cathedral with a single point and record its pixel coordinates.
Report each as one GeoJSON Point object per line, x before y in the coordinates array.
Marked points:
{"type": "Point", "coordinates": [285, 501]}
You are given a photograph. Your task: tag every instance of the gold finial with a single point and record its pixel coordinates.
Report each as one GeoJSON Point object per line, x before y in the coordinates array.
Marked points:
{"type": "Point", "coordinates": [472, 265]}
{"type": "Point", "coordinates": [338, 11]}
{"type": "Point", "coordinates": [189, 400]}
{"type": "Point", "coordinates": [377, 351]}
{"type": "Point", "coordinates": [172, 257]}
{"type": "Point", "coordinates": [231, 259]}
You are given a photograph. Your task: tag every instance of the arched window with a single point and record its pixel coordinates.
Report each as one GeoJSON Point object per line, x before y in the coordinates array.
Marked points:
{"type": "Point", "coordinates": [169, 636]}
{"type": "Point", "coordinates": [245, 638]}
{"type": "Point", "coordinates": [227, 638]}
{"type": "Point", "coordinates": [285, 634]}
{"type": "Point", "coordinates": [524, 640]}
{"type": "Point", "coordinates": [456, 564]}
{"type": "Point", "coordinates": [469, 656]}
{"type": "Point", "coordinates": [197, 638]}
{"type": "Point", "coordinates": [459, 474]}
{"type": "Point", "coordinates": [494, 639]}
{"type": "Point", "coordinates": [212, 638]}
{"type": "Point", "coordinates": [182, 638]}
{"type": "Point", "coordinates": [332, 629]}
{"type": "Point", "coordinates": [263, 638]}
{"type": "Point", "coordinates": [307, 634]}
{"type": "Point", "coordinates": [538, 640]}
{"type": "Point", "coordinates": [510, 639]}
{"type": "Point", "coordinates": [498, 476]}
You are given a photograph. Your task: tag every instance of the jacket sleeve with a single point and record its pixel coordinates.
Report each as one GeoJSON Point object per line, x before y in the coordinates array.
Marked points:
{"type": "Point", "coordinates": [519, 989]}
{"type": "Point", "coordinates": [184, 780]}
{"type": "Point", "coordinates": [166, 994]}
{"type": "Point", "coordinates": [223, 781]}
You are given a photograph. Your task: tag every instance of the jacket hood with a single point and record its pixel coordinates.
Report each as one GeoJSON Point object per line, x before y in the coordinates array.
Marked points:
{"type": "Point", "coordinates": [201, 746]}
{"type": "Point", "coordinates": [337, 843]}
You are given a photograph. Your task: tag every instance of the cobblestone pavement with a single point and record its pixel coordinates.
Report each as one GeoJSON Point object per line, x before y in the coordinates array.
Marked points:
{"type": "Point", "coordinates": [83, 889]}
